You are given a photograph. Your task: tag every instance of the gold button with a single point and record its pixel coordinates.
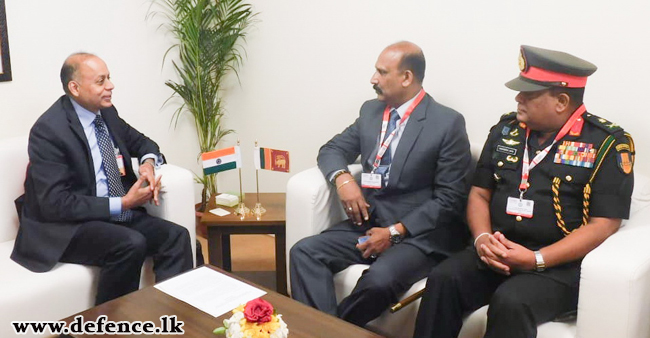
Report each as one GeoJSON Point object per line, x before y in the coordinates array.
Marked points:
{"type": "Point", "coordinates": [518, 218]}
{"type": "Point", "coordinates": [568, 178]}
{"type": "Point", "coordinates": [500, 164]}
{"type": "Point", "coordinates": [497, 177]}
{"type": "Point", "coordinates": [527, 184]}
{"type": "Point", "coordinates": [537, 152]}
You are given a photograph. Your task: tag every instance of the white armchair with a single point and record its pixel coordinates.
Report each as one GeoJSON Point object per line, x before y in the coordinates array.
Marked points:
{"type": "Point", "coordinates": [614, 296]}
{"type": "Point", "coordinates": [67, 288]}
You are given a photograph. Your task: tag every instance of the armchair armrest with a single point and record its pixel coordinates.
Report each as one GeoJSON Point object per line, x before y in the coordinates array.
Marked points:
{"type": "Point", "coordinates": [312, 205]}
{"type": "Point", "coordinates": [614, 292]}
{"type": "Point", "coordinates": [176, 199]}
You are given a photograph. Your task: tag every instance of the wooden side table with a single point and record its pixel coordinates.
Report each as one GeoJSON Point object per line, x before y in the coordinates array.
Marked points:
{"type": "Point", "coordinates": [219, 229]}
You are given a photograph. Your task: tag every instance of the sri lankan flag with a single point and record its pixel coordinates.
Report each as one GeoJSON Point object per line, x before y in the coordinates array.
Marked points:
{"type": "Point", "coordinates": [272, 159]}
{"type": "Point", "coordinates": [221, 160]}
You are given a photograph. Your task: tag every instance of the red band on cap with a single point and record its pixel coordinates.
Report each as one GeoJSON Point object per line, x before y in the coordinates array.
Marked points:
{"type": "Point", "coordinates": [543, 75]}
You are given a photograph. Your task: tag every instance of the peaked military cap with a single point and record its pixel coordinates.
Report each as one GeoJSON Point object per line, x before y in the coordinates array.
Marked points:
{"type": "Point", "coordinates": [544, 68]}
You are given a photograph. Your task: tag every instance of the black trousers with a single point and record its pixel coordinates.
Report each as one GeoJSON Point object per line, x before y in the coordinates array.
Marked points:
{"type": "Point", "coordinates": [315, 260]}
{"type": "Point", "coordinates": [518, 303]}
{"type": "Point", "coordinates": [120, 251]}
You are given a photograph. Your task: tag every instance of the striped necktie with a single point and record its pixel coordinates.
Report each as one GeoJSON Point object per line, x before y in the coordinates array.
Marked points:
{"type": "Point", "coordinates": [392, 124]}
{"type": "Point", "coordinates": [115, 187]}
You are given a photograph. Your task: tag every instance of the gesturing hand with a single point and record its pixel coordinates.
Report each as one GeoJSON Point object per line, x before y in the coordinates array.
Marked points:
{"type": "Point", "coordinates": [139, 194]}
{"type": "Point", "coordinates": [147, 172]}
{"type": "Point", "coordinates": [352, 198]}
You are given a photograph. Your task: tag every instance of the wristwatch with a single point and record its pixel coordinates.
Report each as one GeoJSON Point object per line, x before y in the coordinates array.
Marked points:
{"type": "Point", "coordinates": [539, 262]}
{"type": "Point", "coordinates": [395, 236]}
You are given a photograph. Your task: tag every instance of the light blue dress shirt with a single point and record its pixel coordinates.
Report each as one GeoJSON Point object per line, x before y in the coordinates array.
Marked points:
{"type": "Point", "coordinates": [87, 119]}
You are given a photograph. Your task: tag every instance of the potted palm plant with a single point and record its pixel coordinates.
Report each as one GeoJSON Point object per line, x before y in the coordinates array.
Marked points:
{"type": "Point", "coordinates": [208, 34]}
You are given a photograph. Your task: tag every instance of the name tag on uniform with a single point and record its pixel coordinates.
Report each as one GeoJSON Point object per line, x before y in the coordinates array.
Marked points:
{"type": "Point", "coordinates": [372, 181]}
{"type": "Point", "coordinates": [520, 207]}
{"type": "Point", "coordinates": [120, 164]}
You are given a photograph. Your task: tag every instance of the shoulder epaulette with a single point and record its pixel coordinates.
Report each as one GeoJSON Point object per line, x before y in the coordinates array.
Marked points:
{"type": "Point", "coordinates": [609, 127]}
{"type": "Point", "coordinates": [508, 116]}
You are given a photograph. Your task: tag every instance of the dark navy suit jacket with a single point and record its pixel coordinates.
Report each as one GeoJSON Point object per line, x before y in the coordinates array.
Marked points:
{"type": "Point", "coordinates": [60, 188]}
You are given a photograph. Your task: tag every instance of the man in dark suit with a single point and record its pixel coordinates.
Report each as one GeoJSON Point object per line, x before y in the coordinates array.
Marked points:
{"type": "Point", "coordinates": [407, 214]}
{"type": "Point", "coordinates": [82, 201]}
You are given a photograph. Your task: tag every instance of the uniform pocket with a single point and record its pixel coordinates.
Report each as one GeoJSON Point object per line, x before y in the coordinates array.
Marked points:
{"type": "Point", "coordinates": [568, 190]}
{"type": "Point", "coordinates": [506, 168]}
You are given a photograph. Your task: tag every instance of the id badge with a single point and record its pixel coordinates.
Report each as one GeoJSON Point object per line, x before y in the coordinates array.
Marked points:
{"type": "Point", "coordinates": [372, 181]}
{"type": "Point", "coordinates": [120, 164]}
{"type": "Point", "coordinates": [520, 207]}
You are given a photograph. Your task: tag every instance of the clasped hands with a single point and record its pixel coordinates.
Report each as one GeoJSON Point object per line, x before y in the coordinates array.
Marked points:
{"type": "Point", "coordinates": [502, 255]}
{"type": "Point", "coordinates": [145, 189]}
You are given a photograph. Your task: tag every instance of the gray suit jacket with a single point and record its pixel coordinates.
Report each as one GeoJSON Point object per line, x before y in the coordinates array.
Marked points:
{"type": "Point", "coordinates": [427, 188]}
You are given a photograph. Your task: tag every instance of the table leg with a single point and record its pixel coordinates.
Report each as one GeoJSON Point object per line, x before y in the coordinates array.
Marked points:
{"type": "Point", "coordinates": [225, 252]}
{"type": "Point", "coordinates": [281, 263]}
{"type": "Point", "coordinates": [215, 254]}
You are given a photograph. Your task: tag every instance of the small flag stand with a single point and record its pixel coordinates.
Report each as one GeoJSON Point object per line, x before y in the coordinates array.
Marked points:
{"type": "Point", "coordinates": [241, 209]}
{"type": "Point", "coordinates": [258, 210]}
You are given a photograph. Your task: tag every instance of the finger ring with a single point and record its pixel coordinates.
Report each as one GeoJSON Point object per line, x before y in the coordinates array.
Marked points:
{"type": "Point", "coordinates": [349, 208]}
{"type": "Point", "coordinates": [373, 256]}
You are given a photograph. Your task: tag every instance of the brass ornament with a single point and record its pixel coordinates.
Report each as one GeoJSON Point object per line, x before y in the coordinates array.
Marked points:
{"type": "Point", "coordinates": [622, 147]}
{"type": "Point", "coordinates": [510, 142]}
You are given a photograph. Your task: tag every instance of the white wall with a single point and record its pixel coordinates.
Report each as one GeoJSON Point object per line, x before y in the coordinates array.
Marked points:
{"type": "Point", "coordinates": [43, 33]}
{"type": "Point", "coordinates": [309, 65]}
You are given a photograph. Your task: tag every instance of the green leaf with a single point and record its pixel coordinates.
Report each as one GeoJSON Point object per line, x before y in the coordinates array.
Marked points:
{"type": "Point", "coordinates": [207, 34]}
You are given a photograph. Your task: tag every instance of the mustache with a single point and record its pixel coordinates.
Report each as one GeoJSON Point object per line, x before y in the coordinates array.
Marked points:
{"type": "Point", "coordinates": [377, 89]}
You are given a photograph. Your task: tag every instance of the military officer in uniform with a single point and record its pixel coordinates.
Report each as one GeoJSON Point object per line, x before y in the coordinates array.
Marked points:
{"type": "Point", "coordinates": [552, 183]}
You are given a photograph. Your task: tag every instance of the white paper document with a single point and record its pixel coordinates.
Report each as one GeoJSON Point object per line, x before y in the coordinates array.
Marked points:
{"type": "Point", "coordinates": [220, 212]}
{"type": "Point", "coordinates": [209, 291]}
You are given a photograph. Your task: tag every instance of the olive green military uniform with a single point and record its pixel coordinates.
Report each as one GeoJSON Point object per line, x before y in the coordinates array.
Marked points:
{"type": "Point", "coordinates": [586, 173]}
{"type": "Point", "coordinates": [538, 296]}
{"type": "Point", "coordinates": [553, 183]}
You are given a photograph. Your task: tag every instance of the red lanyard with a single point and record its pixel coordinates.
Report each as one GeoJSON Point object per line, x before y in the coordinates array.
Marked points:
{"type": "Point", "coordinates": [383, 146]}
{"type": "Point", "coordinates": [528, 165]}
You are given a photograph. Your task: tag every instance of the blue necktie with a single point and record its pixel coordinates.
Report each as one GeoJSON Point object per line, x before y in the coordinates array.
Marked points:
{"type": "Point", "coordinates": [115, 187]}
{"type": "Point", "coordinates": [392, 124]}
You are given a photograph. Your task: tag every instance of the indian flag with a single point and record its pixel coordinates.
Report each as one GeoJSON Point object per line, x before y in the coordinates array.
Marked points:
{"type": "Point", "coordinates": [271, 159]}
{"type": "Point", "coordinates": [221, 160]}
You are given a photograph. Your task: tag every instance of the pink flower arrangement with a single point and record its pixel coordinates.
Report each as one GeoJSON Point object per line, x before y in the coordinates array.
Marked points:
{"type": "Point", "coordinates": [255, 319]}
{"type": "Point", "coordinates": [258, 311]}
